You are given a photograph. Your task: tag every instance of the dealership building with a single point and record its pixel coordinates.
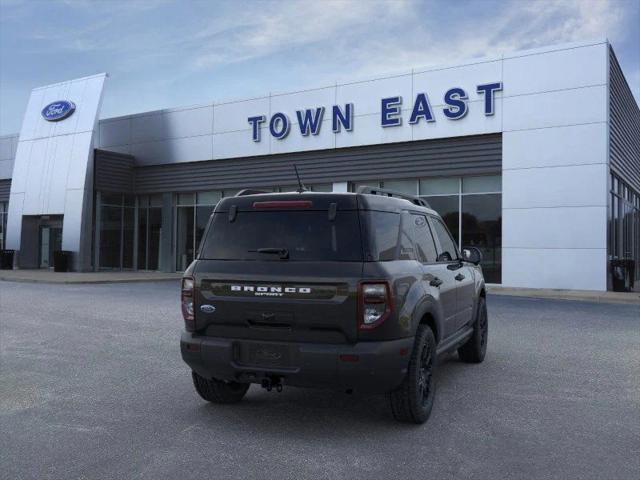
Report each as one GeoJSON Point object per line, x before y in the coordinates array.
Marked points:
{"type": "Point", "coordinates": [533, 157]}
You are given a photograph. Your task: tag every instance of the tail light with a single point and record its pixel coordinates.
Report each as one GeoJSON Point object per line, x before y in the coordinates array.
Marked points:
{"type": "Point", "coordinates": [375, 304]}
{"type": "Point", "coordinates": [186, 298]}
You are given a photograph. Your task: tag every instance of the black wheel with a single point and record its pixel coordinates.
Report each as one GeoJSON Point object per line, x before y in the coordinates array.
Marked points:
{"type": "Point", "coordinates": [475, 349]}
{"type": "Point", "coordinates": [217, 391]}
{"type": "Point", "coordinates": [413, 400]}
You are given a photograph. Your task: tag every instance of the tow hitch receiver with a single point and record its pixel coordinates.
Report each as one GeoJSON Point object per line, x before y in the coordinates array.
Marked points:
{"type": "Point", "coordinates": [269, 383]}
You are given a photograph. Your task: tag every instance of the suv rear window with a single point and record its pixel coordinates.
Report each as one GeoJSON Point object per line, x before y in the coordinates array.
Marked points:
{"type": "Point", "coordinates": [306, 235]}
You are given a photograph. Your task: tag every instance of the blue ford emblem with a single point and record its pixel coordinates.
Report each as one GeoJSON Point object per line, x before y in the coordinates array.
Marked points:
{"type": "Point", "coordinates": [207, 308]}
{"type": "Point", "coordinates": [56, 111]}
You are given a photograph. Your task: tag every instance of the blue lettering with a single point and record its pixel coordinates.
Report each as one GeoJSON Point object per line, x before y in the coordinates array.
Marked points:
{"type": "Point", "coordinates": [279, 125]}
{"type": "Point", "coordinates": [421, 109]}
{"type": "Point", "coordinates": [390, 108]}
{"type": "Point", "coordinates": [255, 126]}
{"type": "Point", "coordinates": [487, 90]}
{"type": "Point", "coordinates": [310, 122]}
{"type": "Point", "coordinates": [456, 99]}
{"type": "Point", "coordinates": [345, 119]}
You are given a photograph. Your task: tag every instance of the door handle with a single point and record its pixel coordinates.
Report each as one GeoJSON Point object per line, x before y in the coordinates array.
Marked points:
{"type": "Point", "coordinates": [436, 282]}
{"type": "Point", "coordinates": [459, 277]}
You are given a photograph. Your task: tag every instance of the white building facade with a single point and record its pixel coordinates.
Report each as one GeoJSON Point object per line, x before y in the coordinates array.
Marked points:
{"type": "Point", "coordinates": [533, 156]}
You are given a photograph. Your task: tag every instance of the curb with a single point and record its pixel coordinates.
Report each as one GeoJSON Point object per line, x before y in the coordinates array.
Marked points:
{"type": "Point", "coordinates": [629, 299]}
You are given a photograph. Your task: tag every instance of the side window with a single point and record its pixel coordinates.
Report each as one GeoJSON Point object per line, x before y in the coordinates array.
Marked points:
{"type": "Point", "coordinates": [448, 248]}
{"type": "Point", "coordinates": [406, 238]}
{"type": "Point", "coordinates": [424, 240]}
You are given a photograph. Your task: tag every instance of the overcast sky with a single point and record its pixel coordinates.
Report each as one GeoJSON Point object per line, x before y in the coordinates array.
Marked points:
{"type": "Point", "coordinates": [166, 54]}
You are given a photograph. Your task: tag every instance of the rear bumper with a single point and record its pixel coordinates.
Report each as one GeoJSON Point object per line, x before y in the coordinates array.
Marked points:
{"type": "Point", "coordinates": [380, 366]}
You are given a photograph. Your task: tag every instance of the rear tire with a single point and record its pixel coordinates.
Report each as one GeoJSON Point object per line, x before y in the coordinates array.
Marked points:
{"type": "Point", "coordinates": [217, 391]}
{"type": "Point", "coordinates": [412, 401]}
{"type": "Point", "coordinates": [475, 349]}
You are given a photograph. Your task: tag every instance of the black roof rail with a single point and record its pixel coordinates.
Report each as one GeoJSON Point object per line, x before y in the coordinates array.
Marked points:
{"type": "Point", "coordinates": [250, 191]}
{"type": "Point", "coordinates": [390, 193]}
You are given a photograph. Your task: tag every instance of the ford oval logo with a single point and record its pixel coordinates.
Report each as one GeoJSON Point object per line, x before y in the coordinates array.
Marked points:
{"type": "Point", "coordinates": [207, 308]}
{"type": "Point", "coordinates": [56, 111]}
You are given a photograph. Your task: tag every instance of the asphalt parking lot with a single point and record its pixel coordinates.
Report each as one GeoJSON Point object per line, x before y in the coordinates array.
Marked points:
{"type": "Point", "coordinates": [92, 386]}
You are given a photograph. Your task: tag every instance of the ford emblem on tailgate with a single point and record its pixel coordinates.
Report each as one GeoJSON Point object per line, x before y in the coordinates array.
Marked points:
{"type": "Point", "coordinates": [207, 308]}
{"type": "Point", "coordinates": [59, 110]}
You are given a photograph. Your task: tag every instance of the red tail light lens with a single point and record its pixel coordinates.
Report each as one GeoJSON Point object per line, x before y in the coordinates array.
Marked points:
{"type": "Point", "coordinates": [375, 304]}
{"type": "Point", "coordinates": [186, 299]}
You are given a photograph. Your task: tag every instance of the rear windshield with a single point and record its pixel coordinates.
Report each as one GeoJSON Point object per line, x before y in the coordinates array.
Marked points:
{"type": "Point", "coordinates": [284, 236]}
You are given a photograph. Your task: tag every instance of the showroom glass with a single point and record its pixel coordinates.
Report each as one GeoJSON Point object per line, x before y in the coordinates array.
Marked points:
{"type": "Point", "coordinates": [117, 230]}
{"type": "Point", "coordinates": [3, 223]}
{"type": "Point", "coordinates": [149, 231]}
{"type": "Point", "coordinates": [624, 227]}
{"type": "Point", "coordinates": [471, 207]}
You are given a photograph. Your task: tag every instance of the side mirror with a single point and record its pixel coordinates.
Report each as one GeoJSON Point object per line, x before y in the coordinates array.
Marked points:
{"type": "Point", "coordinates": [472, 254]}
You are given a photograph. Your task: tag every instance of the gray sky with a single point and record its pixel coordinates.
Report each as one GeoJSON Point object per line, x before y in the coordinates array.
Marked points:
{"type": "Point", "coordinates": [161, 53]}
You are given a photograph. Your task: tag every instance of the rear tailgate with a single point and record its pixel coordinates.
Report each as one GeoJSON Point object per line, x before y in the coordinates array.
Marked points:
{"type": "Point", "coordinates": [281, 267]}
{"type": "Point", "coordinates": [281, 301]}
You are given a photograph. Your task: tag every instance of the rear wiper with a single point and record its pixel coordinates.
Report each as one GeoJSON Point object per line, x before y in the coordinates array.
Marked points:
{"type": "Point", "coordinates": [283, 252]}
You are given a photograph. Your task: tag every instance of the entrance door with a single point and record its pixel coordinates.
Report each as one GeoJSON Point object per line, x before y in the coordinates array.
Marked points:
{"type": "Point", "coordinates": [50, 241]}
{"type": "Point", "coordinates": [45, 257]}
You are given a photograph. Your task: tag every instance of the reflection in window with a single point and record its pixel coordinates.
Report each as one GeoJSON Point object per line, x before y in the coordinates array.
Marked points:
{"type": "Point", "coordinates": [482, 228]}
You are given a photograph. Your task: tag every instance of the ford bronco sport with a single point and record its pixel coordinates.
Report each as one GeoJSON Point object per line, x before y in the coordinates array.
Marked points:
{"type": "Point", "coordinates": [352, 291]}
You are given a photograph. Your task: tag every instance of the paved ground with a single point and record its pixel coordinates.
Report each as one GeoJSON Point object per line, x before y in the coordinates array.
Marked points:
{"type": "Point", "coordinates": [49, 276]}
{"type": "Point", "coordinates": [92, 386]}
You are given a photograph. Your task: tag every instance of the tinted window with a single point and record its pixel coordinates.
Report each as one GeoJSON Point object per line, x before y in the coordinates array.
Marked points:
{"type": "Point", "coordinates": [306, 235]}
{"type": "Point", "coordinates": [383, 229]}
{"type": "Point", "coordinates": [448, 249]}
{"type": "Point", "coordinates": [424, 240]}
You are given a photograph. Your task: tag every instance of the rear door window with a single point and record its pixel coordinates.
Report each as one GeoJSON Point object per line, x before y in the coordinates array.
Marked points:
{"type": "Point", "coordinates": [448, 251]}
{"type": "Point", "coordinates": [307, 235]}
{"type": "Point", "coordinates": [425, 244]}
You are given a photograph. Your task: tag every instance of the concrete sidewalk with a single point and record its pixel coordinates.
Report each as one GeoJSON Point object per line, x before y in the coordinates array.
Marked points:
{"type": "Point", "coordinates": [49, 276]}
{"type": "Point", "coordinates": [583, 295]}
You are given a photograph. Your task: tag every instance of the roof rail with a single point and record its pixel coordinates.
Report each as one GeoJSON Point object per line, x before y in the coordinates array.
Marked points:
{"type": "Point", "coordinates": [250, 191]}
{"type": "Point", "coordinates": [390, 193]}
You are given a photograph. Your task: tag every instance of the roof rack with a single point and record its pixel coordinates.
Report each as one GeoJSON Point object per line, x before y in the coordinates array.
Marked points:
{"type": "Point", "coordinates": [390, 193]}
{"type": "Point", "coordinates": [250, 191]}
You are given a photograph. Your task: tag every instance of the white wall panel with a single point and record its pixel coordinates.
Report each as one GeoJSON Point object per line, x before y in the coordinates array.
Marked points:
{"type": "Point", "coordinates": [77, 161]}
{"type": "Point", "coordinates": [553, 109]}
{"type": "Point", "coordinates": [188, 123]}
{"type": "Point", "coordinates": [562, 69]}
{"type": "Point", "coordinates": [475, 122]}
{"type": "Point", "coordinates": [575, 186]}
{"type": "Point", "coordinates": [114, 132]}
{"type": "Point", "coordinates": [557, 227]}
{"type": "Point", "coordinates": [147, 128]}
{"type": "Point", "coordinates": [366, 96]}
{"type": "Point", "coordinates": [188, 149]}
{"type": "Point", "coordinates": [289, 103]}
{"type": "Point", "coordinates": [72, 221]}
{"type": "Point", "coordinates": [6, 169]}
{"type": "Point", "coordinates": [231, 117]}
{"type": "Point", "coordinates": [551, 147]}
{"type": "Point", "coordinates": [436, 82]}
{"type": "Point", "coordinates": [295, 142]}
{"type": "Point", "coordinates": [234, 144]}
{"type": "Point", "coordinates": [583, 269]}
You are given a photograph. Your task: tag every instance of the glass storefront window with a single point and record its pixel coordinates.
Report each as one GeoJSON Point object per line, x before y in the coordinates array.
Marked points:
{"type": "Point", "coordinates": [409, 187]}
{"type": "Point", "coordinates": [484, 184]}
{"type": "Point", "coordinates": [439, 186]}
{"type": "Point", "coordinates": [3, 223]}
{"type": "Point", "coordinates": [185, 238]}
{"type": "Point", "coordinates": [117, 231]}
{"type": "Point", "coordinates": [448, 206]}
{"type": "Point", "coordinates": [482, 228]}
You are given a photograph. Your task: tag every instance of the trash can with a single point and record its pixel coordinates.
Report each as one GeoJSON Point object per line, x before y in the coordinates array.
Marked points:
{"type": "Point", "coordinates": [621, 274]}
{"type": "Point", "coordinates": [6, 259]}
{"type": "Point", "coordinates": [61, 260]}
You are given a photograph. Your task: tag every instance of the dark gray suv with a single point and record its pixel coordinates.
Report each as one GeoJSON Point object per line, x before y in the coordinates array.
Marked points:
{"type": "Point", "coordinates": [351, 291]}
